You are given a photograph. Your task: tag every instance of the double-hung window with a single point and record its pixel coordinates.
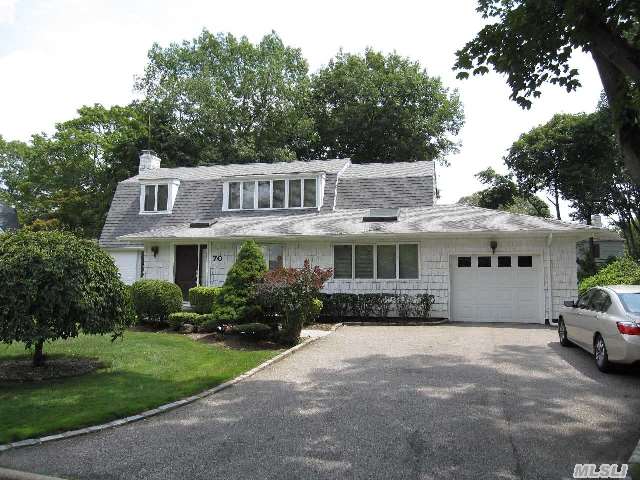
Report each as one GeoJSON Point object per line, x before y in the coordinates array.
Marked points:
{"type": "Point", "coordinates": [383, 262]}
{"type": "Point", "coordinates": [156, 198]}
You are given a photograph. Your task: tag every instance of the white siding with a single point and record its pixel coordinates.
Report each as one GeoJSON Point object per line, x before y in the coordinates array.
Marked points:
{"type": "Point", "coordinates": [128, 264]}
{"type": "Point", "coordinates": [160, 266]}
{"type": "Point", "coordinates": [559, 260]}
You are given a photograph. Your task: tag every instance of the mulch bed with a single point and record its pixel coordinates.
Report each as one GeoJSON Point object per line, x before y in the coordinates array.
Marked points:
{"type": "Point", "coordinates": [22, 370]}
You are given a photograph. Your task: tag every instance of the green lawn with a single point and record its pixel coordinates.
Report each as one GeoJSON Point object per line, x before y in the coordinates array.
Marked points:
{"type": "Point", "coordinates": [146, 370]}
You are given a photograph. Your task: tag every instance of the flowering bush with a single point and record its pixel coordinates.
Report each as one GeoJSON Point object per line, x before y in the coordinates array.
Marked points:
{"type": "Point", "coordinates": [291, 296]}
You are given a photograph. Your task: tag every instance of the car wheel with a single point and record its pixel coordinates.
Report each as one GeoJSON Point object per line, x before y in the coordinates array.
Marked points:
{"type": "Point", "coordinates": [600, 352]}
{"type": "Point", "coordinates": [562, 334]}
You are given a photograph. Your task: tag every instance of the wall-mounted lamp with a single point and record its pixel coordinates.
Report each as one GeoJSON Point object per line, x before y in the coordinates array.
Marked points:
{"type": "Point", "coordinates": [493, 244]}
{"type": "Point", "coordinates": [155, 250]}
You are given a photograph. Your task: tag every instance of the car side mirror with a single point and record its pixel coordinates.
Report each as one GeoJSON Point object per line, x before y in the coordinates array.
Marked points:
{"type": "Point", "coordinates": [570, 303]}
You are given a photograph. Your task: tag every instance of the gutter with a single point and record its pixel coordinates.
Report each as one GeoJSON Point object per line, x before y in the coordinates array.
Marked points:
{"type": "Point", "coordinates": [549, 276]}
{"type": "Point", "coordinates": [356, 235]}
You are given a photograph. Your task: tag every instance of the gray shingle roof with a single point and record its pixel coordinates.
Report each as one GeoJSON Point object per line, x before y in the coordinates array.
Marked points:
{"type": "Point", "coordinates": [440, 219]}
{"type": "Point", "coordinates": [389, 192]}
{"type": "Point", "coordinates": [8, 217]}
{"type": "Point", "coordinates": [388, 170]}
{"type": "Point", "coordinates": [221, 171]}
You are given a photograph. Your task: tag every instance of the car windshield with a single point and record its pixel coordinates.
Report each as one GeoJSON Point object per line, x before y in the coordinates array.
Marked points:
{"type": "Point", "coordinates": [631, 302]}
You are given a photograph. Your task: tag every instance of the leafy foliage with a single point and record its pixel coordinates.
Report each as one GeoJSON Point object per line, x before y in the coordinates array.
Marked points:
{"type": "Point", "coordinates": [376, 305]}
{"type": "Point", "coordinates": [292, 293]}
{"type": "Point", "coordinates": [70, 176]}
{"type": "Point", "coordinates": [202, 322]}
{"type": "Point", "coordinates": [575, 157]}
{"type": "Point", "coordinates": [54, 285]}
{"type": "Point", "coordinates": [155, 300]}
{"type": "Point", "coordinates": [202, 298]}
{"type": "Point", "coordinates": [531, 42]}
{"type": "Point", "coordinates": [178, 319]}
{"type": "Point", "coordinates": [504, 194]}
{"type": "Point", "coordinates": [233, 303]}
{"type": "Point", "coordinates": [624, 271]}
{"type": "Point", "coordinates": [237, 101]}
{"type": "Point", "coordinates": [377, 108]}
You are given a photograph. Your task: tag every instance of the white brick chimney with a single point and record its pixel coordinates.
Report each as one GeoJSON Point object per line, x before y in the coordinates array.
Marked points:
{"type": "Point", "coordinates": [596, 220]}
{"type": "Point", "coordinates": [148, 161]}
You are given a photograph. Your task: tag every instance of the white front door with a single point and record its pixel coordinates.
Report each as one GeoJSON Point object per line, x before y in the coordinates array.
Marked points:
{"type": "Point", "coordinates": [497, 288]}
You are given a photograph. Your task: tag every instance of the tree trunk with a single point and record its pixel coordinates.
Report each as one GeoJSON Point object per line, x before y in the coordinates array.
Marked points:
{"type": "Point", "coordinates": [38, 356]}
{"type": "Point", "coordinates": [626, 119]}
{"type": "Point", "coordinates": [557, 204]}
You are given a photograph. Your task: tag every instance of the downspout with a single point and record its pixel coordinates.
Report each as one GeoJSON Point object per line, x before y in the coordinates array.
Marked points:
{"type": "Point", "coordinates": [549, 318]}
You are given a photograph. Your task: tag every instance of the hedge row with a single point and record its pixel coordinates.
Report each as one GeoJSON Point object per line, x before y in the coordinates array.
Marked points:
{"type": "Point", "coordinates": [376, 305]}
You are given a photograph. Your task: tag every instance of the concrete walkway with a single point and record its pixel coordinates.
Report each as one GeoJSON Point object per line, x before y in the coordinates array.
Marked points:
{"type": "Point", "coordinates": [431, 402]}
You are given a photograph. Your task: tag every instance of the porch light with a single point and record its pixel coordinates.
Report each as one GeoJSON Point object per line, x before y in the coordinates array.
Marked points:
{"type": "Point", "coordinates": [493, 244]}
{"type": "Point", "coordinates": [155, 250]}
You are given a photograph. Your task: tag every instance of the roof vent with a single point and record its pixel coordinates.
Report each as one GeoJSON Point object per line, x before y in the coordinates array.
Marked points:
{"type": "Point", "coordinates": [202, 223]}
{"type": "Point", "coordinates": [382, 215]}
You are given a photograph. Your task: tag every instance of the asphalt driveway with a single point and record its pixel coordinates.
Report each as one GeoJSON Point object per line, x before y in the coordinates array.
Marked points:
{"type": "Point", "coordinates": [452, 401]}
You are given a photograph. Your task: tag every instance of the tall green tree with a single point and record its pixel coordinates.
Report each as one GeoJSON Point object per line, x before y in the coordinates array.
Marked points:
{"type": "Point", "coordinates": [235, 101]}
{"type": "Point", "coordinates": [568, 157]}
{"type": "Point", "coordinates": [576, 157]}
{"type": "Point", "coordinates": [503, 193]}
{"type": "Point", "coordinates": [71, 175]}
{"type": "Point", "coordinates": [377, 108]}
{"type": "Point", "coordinates": [531, 42]}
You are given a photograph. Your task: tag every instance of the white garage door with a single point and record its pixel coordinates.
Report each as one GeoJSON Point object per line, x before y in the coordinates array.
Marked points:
{"type": "Point", "coordinates": [497, 288]}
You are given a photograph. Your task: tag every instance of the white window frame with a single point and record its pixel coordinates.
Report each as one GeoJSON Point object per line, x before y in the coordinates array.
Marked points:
{"type": "Point", "coordinates": [172, 192]}
{"type": "Point", "coordinates": [375, 261]}
{"type": "Point", "coordinates": [319, 179]}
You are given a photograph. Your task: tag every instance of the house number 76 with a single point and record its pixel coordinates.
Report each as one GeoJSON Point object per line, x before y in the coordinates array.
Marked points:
{"type": "Point", "coordinates": [216, 258]}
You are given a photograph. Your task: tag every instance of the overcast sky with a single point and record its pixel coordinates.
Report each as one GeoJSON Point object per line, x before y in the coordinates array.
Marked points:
{"type": "Point", "coordinates": [57, 55]}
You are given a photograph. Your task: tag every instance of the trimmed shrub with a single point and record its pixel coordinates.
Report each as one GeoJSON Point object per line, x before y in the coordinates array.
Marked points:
{"type": "Point", "coordinates": [202, 298]}
{"type": "Point", "coordinates": [234, 300]}
{"type": "Point", "coordinates": [208, 324]}
{"type": "Point", "coordinates": [405, 305]}
{"type": "Point", "coordinates": [155, 300]}
{"type": "Point", "coordinates": [624, 271]}
{"type": "Point", "coordinates": [177, 319]}
{"type": "Point", "coordinates": [337, 305]}
{"type": "Point", "coordinates": [54, 285]}
{"type": "Point", "coordinates": [259, 331]}
{"type": "Point", "coordinates": [423, 305]}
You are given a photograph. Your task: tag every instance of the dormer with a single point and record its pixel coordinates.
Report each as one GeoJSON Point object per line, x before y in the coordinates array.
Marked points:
{"type": "Point", "coordinates": [157, 195]}
{"type": "Point", "coordinates": [274, 192]}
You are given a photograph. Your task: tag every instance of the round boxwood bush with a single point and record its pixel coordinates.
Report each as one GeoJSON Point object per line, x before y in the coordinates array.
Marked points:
{"type": "Point", "coordinates": [155, 300]}
{"type": "Point", "coordinates": [54, 285]}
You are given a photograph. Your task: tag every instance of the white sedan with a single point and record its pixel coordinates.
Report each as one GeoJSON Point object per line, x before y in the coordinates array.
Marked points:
{"type": "Point", "coordinates": [605, 321]}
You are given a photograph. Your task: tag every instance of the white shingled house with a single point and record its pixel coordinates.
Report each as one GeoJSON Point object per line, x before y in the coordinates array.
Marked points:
{"type": "Point", "coordinates": [377, 225]}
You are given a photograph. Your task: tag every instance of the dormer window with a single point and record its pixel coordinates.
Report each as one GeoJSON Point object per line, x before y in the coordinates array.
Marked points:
{"type": "Point", "coordinates": [276, 193]}
{"type": "Point", "coordinates": [158, 197]}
